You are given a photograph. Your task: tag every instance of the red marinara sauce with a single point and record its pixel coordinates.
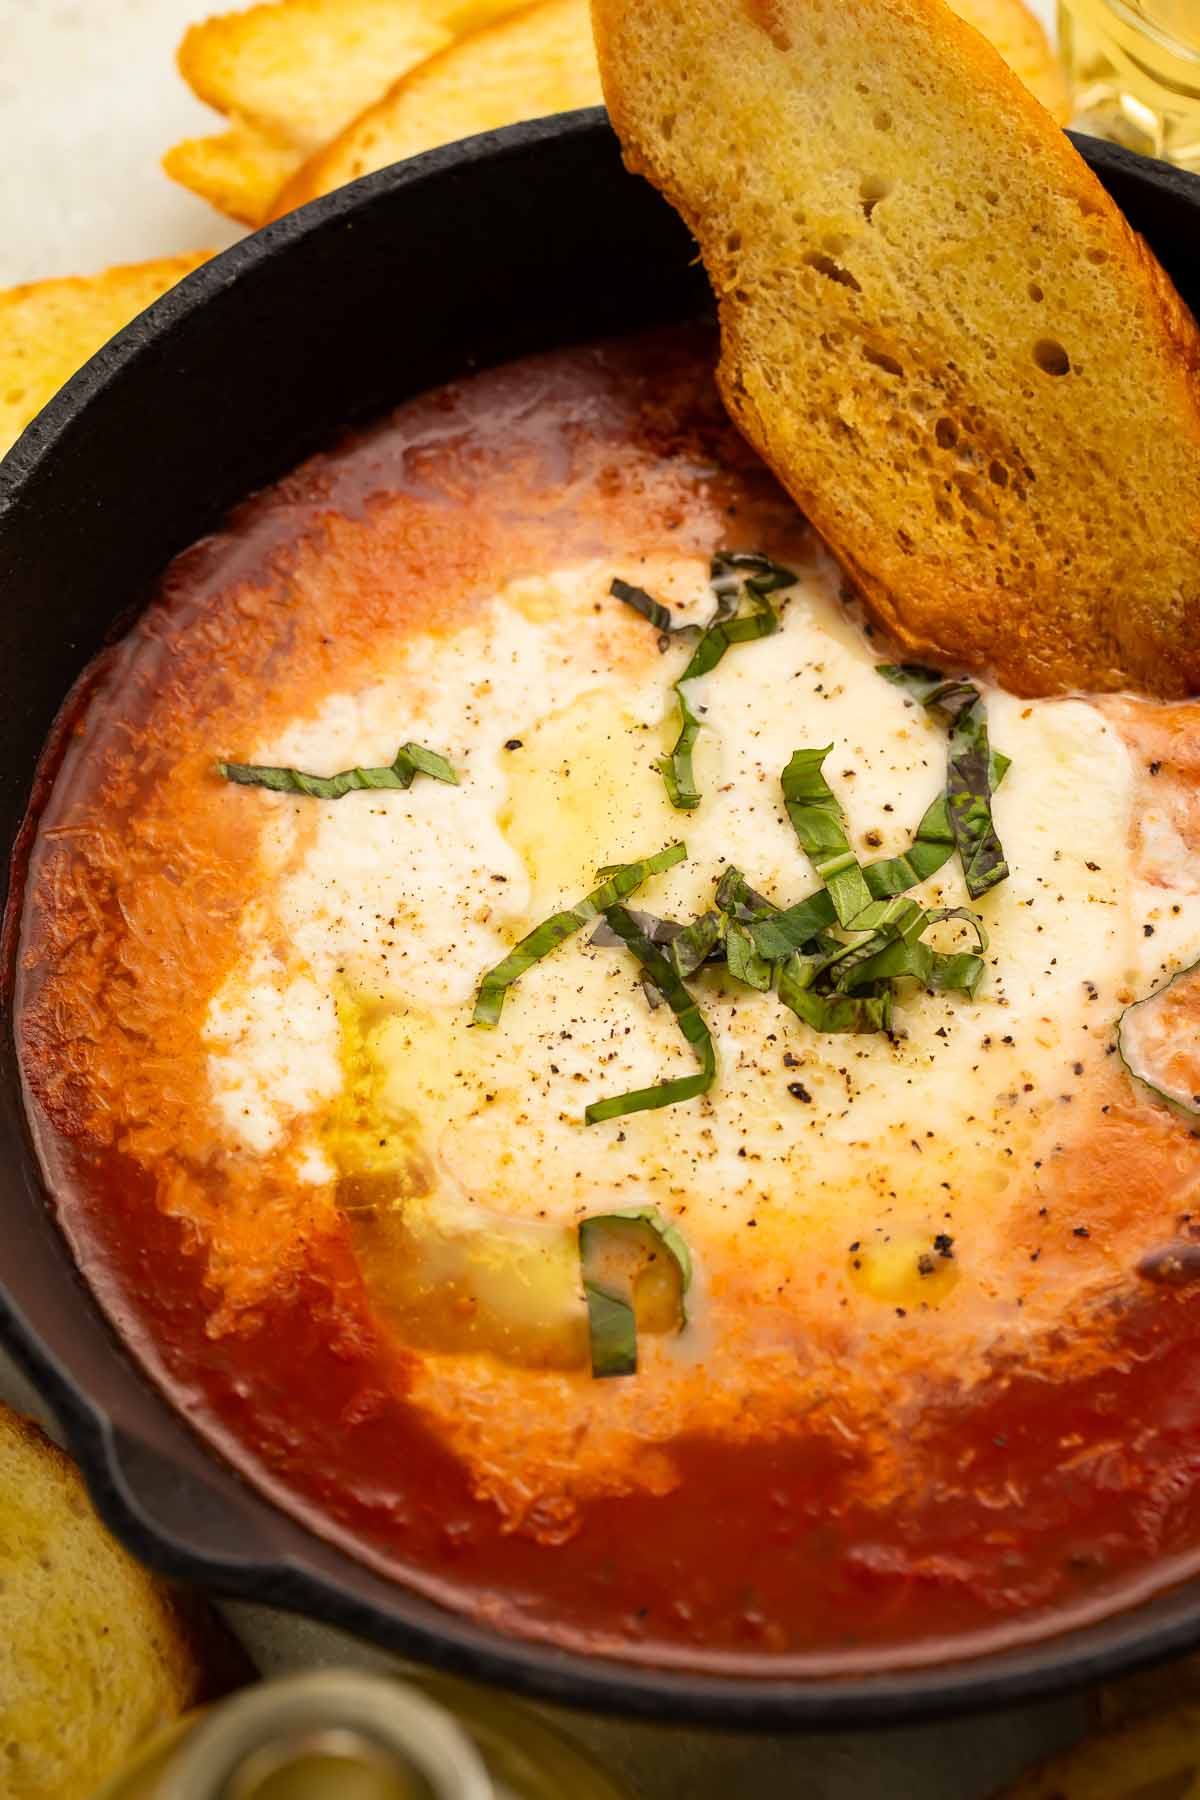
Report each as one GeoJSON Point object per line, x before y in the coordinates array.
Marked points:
{"type": "Point", "coordinates": [1052, 1489]}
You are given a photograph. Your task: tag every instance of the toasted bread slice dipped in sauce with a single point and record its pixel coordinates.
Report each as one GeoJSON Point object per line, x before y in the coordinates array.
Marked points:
{"type": "Point", "coordinates": [936, 327]}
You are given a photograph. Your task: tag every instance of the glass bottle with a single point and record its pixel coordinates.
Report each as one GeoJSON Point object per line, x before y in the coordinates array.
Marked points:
{"type": "Point", "coordinates": [345, 1735]}
{"type": "Point", "coordinates": [1134, 71]}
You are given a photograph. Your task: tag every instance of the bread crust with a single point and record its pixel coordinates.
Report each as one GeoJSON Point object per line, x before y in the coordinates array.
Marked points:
{"type": "Point", "coordinates": [1091, 581]}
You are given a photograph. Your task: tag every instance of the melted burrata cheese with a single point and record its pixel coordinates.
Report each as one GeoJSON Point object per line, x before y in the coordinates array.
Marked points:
{"type": "Point", "coordinates": [839, 1194]}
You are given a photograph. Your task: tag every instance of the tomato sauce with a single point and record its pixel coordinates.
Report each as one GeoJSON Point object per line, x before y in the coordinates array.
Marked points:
{"type": "Point", "coordinates": [1052, 1490]}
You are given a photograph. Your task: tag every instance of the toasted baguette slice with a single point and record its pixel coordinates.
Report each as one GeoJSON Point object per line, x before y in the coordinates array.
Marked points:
{"type": "Point", "coordinates": [543, 61]}
{"type": "Point", "coordinates": [290, 75]}
{"type": "Point", "coordinates": [936, 327]}
{"type": "Point", "coordinates": [238, 171]}
{"type": "Point", "coordinates": [48, 329]}
{"type": "Point", "coordinates": [540, 60]}
{"type": "Point", "coordinates": [95, 1655]}
{"type": "Point", "coordinates": [1019, 38]}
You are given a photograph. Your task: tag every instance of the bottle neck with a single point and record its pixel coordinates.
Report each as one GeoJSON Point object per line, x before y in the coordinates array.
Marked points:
{"type": "Point", "coordinates": [329, 1735]}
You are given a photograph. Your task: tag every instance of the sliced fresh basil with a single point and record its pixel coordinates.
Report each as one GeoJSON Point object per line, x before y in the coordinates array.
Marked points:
{"type": "Point", "coordinates": [931, 848]}
{"type": "Point", "coordinates": [831, 1013]}
{"type": "Point", "coordinates": [411, 760]}
{"type": "Point", "coordinates": [659, 931]}
{"type": "Point", "coordinates": [676, 767]}
{"type": "Point", "coordinates": [960, 972]}
{"type": "Point", "coordinates": [697, 943]}
{"type": "Point", "coordinates": [620, 881]}
{"type": "Point", "coordinates": [736, 897]}
{"type": "Point", "coordinates": [819, 823]}
{"type": "Point", "coordinates": [743, 960]}
{"type": "Point", "coordinates": [762, 576]}
{"type": "Point", "coordinates": [889, 947]}
{"type": "Point", "coordinates": [969, 799]}
{"type": "Point", "coordinates": [731, 572]}
{"type": "Point", "coordinates": [687, 1016]}
{"type": "Point", "coordinates": [794, 927]}
{"type": "Point", "coordinates": [643, 603]}
{"type": "Point", "coordinates": [612, 1317]}
{"type": "Point", "coordinates": [973, 769]}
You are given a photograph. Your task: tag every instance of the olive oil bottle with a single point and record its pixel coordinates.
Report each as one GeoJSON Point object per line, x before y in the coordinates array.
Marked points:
{"type": "Point", "coordinates": [1134, 70]}
{"type": "Point", "coordinates": [344, 1735]}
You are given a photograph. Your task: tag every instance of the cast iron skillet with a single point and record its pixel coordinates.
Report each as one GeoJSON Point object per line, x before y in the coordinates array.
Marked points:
{"type": "Point", "coordinates": [491, 248]}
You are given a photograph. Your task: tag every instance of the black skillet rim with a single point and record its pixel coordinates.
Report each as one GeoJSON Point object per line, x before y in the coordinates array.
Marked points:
{"type": "Point", "coordinates": [1037, 1670]}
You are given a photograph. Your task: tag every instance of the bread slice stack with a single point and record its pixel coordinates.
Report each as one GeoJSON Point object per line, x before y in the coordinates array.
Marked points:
{"type": "Point", "coordinates": [289, 74]}
{"type": "Point", "coordinates": [936, 327]}
{"type": "Point", "coordinates": [537, 61]}
{"type": "Point", "coordinates": [542, 60]}
{"type": "Point", "coordinates": [317, 92]}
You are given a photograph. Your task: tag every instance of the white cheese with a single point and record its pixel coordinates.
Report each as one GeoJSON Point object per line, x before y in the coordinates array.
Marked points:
{"type": "Point", "coordinates": [813, 1142]}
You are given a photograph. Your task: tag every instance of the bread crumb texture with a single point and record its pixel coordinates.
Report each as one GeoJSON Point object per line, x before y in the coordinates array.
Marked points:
{"type": "Point", "coordinates": [94, 1656]}
{"type": "Point", "coordinates": [49, 329]}
{"type": "Point", "coordinates": [936, 327]}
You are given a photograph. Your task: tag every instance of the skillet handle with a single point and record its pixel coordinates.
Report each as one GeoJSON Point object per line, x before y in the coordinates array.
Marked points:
{"type": "Point", "coordinates": [191, 1525]}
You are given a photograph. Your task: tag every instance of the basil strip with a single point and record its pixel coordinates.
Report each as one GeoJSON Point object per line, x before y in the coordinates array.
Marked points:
{"type": "Point", "coordinates": [932, 847]}
{"type": "Point", "coordinates": [818, 822]}
{"type": "Point", "coordinates": [721, 636]}
{"type": "Point", "coordinates": [969, 797]}
{"type": "Point", "coordinates": [688, 1017]}
{"type": "Point", "coordinates": [898, 922]}
{"type": "Point", "coordinates": [547, 936]}
{"type": "Point", "coordinates": [411, 760]}
{"type": "Point", "coordinates": [612, 1320]}
{"type": "Point", "coordinates": [932, 969]}
{"type": "Point", "coordinates": [676, 769]}
{"type": "Point", "coordinates": [696, 943]}
{"type": "Point", "coordinates": [833, 1013]}
{"type": "Point", "coordinates": [690, 945]}
{"type": "Point", "coordinates": [964, 913]}
{"type": "Point", "coordinates": [641, 602]}
{"type": "Point", "coordinates": [791, 929]}
{"type": "Point", "coordinates": [774, 932]}
{"type": "Point", "coordinates": [745, 964]}
{"type": "Point", "coordinates": [973, 771]}
{"type": "Point", "coordinates": [930, 850]}
{"type": "Point", "coordinates": [897, 951]}
{"type": "Point", "coordinates": [960, 973]}
{"type": "Point", "coordinates": [659, 931]}
{"type": "Point", "coordinates": [764, 577]}
{"type": "Point", "coordinates": [736, 897]}
{"type": "Point", "coordinates": [612, 1330]}
{"type": "Point", "coordinates": [724, 629]}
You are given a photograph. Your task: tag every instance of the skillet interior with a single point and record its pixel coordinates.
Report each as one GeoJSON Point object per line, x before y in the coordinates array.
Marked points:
{"type": "Point", "coordinates": [521, 239]}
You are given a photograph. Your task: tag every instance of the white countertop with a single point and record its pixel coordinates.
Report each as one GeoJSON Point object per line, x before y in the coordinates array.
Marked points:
{"type": "Point", "coordinates": [89, 100]}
